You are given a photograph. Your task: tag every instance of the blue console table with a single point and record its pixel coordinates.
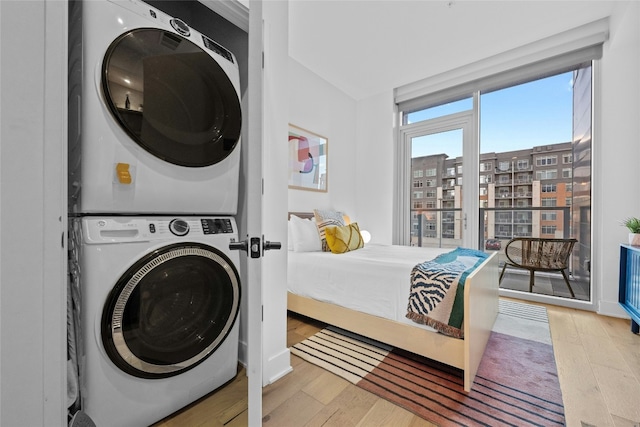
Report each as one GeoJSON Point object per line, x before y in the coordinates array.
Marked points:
{"type": "Point", "coordinates": [629, 286]}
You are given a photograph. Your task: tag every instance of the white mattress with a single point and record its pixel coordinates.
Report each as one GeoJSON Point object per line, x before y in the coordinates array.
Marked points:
{"type": "Point", "coordinates": [373, 280]}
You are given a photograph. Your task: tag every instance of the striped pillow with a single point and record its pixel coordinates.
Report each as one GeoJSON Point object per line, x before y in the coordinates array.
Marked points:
{"type": "Point", "coordinates": [324, 219]}
{"type": "Point", "coordinates": [341, 239]}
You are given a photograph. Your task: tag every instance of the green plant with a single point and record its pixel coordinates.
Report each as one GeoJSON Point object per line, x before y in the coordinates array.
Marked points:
{"type": "Point", "coordinates": [633, 224]}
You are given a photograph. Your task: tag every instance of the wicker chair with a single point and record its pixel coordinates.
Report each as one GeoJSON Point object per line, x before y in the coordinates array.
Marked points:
{"type": "Point", "coordinates": [538, 254]}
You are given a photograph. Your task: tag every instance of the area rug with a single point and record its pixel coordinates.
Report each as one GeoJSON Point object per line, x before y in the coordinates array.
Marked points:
{"type": "Point", "coordinates": [516, 384]}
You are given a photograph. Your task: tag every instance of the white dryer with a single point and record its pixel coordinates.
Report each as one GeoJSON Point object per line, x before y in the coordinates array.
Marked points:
{"type": "Point", "coordinates": [160, 300]}
{"type": "Point", "coordinates": [155, 114]}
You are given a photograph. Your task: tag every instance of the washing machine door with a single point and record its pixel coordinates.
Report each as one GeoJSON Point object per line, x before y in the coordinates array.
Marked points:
{"type": "Point", "coordinates": [172, 97]}
{"type": "Point", "coordinates": [170, 310]}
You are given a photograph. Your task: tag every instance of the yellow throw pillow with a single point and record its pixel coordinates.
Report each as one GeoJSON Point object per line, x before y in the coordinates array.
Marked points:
{"type": "Point", "coordinates": [345, 238]}
{"type": "Point", "coordinates": [327, 218]}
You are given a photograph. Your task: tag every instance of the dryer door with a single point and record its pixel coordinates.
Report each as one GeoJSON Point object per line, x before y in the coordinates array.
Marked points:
{"type": "Point", "coordinates": [171, 310]}
{"type": "Point", "coordinates": [172, 97]}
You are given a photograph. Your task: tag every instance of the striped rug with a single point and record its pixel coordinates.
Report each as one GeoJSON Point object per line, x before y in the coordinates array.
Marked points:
{"type": "Point", "coordinates": [516, 385]}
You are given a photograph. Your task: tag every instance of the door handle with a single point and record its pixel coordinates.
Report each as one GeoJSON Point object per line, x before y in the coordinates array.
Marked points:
{"type": "Point", "coordinates": [267, 245]}
{"type": "Point", "coordinates": [252, 246]}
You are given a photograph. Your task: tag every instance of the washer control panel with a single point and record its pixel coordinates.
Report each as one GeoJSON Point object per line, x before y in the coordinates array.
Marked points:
{"type": "Point", "coordinates": [132, 229]}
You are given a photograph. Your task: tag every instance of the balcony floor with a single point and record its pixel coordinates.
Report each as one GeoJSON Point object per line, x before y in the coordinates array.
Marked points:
{"type": "Point", "coordinates": [545, 284]}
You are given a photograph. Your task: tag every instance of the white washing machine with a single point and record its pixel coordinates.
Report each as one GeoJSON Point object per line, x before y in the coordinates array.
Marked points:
{"type": "Point", "coordinates": [155, 114]}
{"type": "Point", "coordinates": [160, 302]}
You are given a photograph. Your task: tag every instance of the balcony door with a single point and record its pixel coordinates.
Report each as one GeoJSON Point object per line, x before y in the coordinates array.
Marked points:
{"type": "Point", "coordinates": [440, 211]}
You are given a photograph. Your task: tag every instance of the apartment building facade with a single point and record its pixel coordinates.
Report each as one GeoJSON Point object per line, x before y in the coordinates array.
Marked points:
{"type": "Point", "coordinates": [523, 193]}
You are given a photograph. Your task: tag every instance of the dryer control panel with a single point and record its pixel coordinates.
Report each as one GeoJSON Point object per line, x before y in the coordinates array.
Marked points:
{"type": "Point", "coordinates": [216, 226]}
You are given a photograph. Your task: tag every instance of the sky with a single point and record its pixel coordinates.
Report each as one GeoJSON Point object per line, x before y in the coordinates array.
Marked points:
{"type": "Point", "coordinates": [523, 116]}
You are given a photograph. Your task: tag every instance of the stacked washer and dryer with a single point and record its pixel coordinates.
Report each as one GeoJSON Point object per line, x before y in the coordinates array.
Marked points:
{"type": "Point", "coordinates": [154, 157]}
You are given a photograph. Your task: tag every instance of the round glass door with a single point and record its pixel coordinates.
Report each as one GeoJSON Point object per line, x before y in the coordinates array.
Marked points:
{"type": "Point", "coordinates": [171, 97]}
{"type": "Point", "coordinates": [171, 310]}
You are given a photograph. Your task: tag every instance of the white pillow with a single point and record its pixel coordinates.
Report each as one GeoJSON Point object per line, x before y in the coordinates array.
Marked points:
{"type": "Point", "coordinates": [289, 235]}
{"type": "Point", "coordinates": [305, 235]}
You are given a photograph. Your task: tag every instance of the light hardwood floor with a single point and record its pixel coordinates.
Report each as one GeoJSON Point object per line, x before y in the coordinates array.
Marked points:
{"type": "Point", "coordinates": [598, 360]}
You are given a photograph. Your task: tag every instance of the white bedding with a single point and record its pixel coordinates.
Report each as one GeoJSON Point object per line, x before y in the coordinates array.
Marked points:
{"type": "Point", "coordinates": [373, 280]}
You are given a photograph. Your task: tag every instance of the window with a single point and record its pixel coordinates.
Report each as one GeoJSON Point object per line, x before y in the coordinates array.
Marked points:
{"type": "Point", "coordinates": [431, 193]}
{"type": "Point", "coordinates": [548, 229]}
{"type": "Point", "coordinates": [548, 188]}
{"type": "Point", "coordinates": [568, 187]}
{"type": "Point", "coordinates": [459, 180]}
{"type": "Point", "coordinates": [567, 173]}
{"type": "Point", "coordinates": [417, 173]}
{"type": "Point", "coordinates": [567, 201]}
{"type": "Point", "coordinates": [506, 143]}
{"type": "Point", "coordinates": [546, 174]}
{"type": "Point", "coordinates": [417, 184]}
{"type": "Point", "coordinates": [431, 204]}
{"type": "Point", "coordinates": [546, 160]}
{"type": "Point", "coordinates": [430, 172]}
{"type": "Point", "coordinates": [416, 205]}
{"type": "Point", "coordinates": [431, 183]}
{"type": "Point", "coordinates": [417, 194]}
{"type": "Point", "coordinates": [549, 216]}
{"type": "Point", "coordinates": [459, 169]}
{"type": "Point", "coordinates": [451, 171]}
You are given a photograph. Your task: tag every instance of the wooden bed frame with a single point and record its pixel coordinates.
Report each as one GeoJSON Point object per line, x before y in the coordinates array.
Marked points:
{"type": "Point", "coordinates": [480, 311]}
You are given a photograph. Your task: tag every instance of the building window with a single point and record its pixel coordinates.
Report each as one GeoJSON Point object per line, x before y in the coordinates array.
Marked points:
{"type": "Point", "coordinates": [431, 183]}
{"type": "Point", "coordinates": [568, 187]}
{"type": "Point", "coordinates": [546, 174]}
{"type": "Point", "coordinates": [546, 160]}
{"type": "Point", "coordinates": [567, 173]}
{"type": "Point", "coordinates": [430, 172]}
{"type": "Point", "coordinates": [459, 180]}
{"type": "Point", "coordinates": [431, 194]}
{"type": "Point", "coordinates": [417, 194]}
{"type": "Point", "coordinates": [417, 205]}
{"type": "Point", "coordinates": [451, 171]}
{"type": "Point", "coordinates": [567, 158]}
{"type": "Point", "coordinates": [567, 201]}
{"type": "Point", "coordinates": [483, 191]}
{"type": "Point", "coordinates": [417, 173]}
{"type": "Point", "coordinates": [486, 166]}
{"type": "Point", "coordinates": [504, 166]}
{"type": "Point", "coordinates": [417, 184]}
{"type": "Point", "coordinates": [459, 169]}
{"type": "Point", "coordinates": [549, 202]}
{"type": "Point", "coordinates": [522, 164]}
{"type": "Point", "coordinates": [431, 204]}
{"type": "Point", "coordinates": [548, 229]}
{"type": "Point", "coordinates": [548, 188]}
{"type": "Point", "coordinates": [549, 216]}
{"type": "Point", "coordinates": [485, 179]}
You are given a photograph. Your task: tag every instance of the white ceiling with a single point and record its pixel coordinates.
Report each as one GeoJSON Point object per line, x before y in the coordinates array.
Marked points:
{"type": "Point", "coordinates": [365, 47]}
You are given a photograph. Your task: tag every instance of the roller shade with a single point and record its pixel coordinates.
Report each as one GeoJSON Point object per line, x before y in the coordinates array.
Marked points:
{"type": "Point", "coordinates": [553, 55]}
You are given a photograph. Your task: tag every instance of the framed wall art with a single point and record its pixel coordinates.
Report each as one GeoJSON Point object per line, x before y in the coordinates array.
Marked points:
{"type": "Point", "coordinates": [307, 160]}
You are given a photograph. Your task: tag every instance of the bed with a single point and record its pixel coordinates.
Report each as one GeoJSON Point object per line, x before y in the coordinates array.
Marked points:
{"type": "Point", "coordinates": [331, 288]}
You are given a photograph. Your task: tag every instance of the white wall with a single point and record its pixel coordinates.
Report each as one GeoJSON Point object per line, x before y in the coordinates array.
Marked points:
{"type": "Point", "coordinates": [375, 168]}
{"type": "Point", "coordinates": [319, 107]}
{"type": "Point", "coordinates": [616, 151]}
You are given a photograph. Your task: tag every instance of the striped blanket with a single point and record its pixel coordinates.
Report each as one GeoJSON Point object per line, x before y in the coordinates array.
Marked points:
{"type": "Point", "coordinates": [436, 298]}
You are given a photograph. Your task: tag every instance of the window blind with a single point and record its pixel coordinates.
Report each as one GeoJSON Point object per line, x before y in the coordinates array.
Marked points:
{"type": "Point", "coordinates": [556, 54]}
